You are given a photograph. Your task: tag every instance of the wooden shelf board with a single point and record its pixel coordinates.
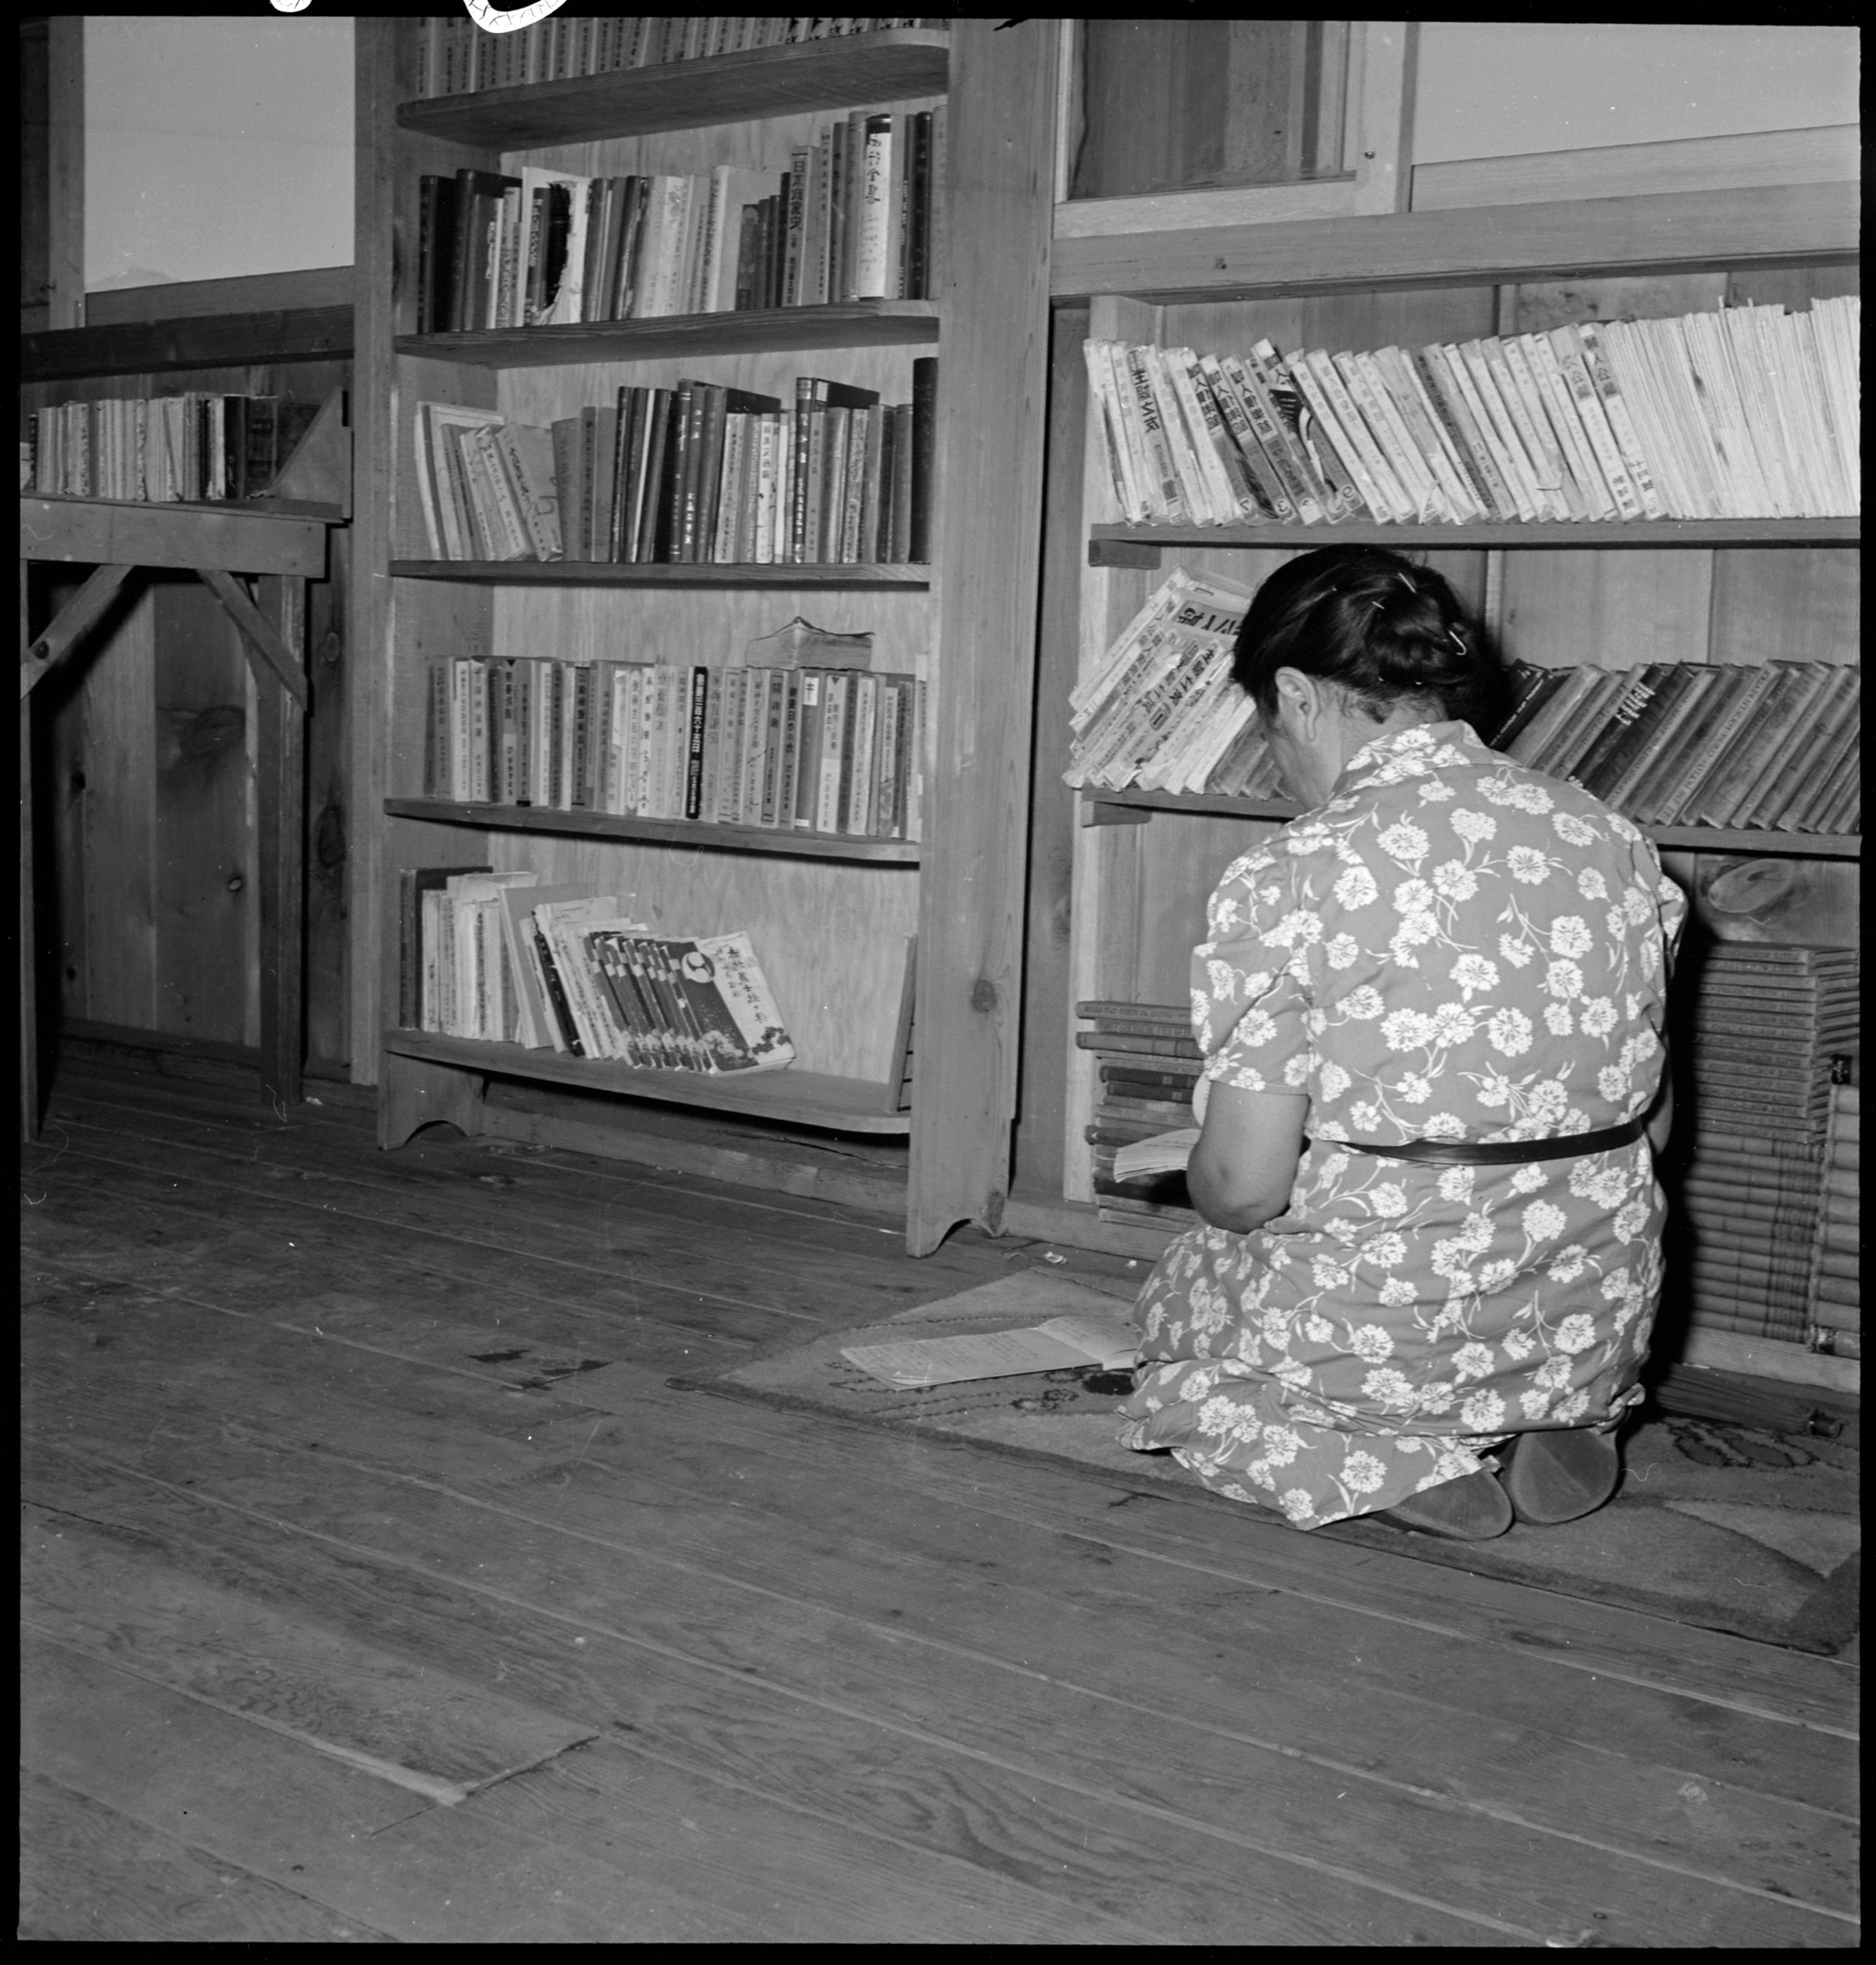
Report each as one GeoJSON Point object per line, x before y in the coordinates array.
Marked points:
{"type": "Point", "coordinates": [1675, 838]}
{"type": "Point", "coordinates": [872, 323]}
{"type": "Point", "coordinates": [803, 1097]}
{"type": "Point", "coordinates": [139, 347]}
{"type": "Point", "coordinates": [1126, 545]}
{"type": "Point", "coordinates": [892, 66]}
{"type": "Point", "coordinates": [123, 532]}
{"type": "Point", "coordinates": [606, 573]}
{"type": "Point", "coordinates": [802, 845]}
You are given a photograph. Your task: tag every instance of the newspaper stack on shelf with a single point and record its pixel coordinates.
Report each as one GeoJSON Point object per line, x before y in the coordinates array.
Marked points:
{"type": "Point", "coordinates": [1764, 1029]}
{"type": "Point", "coordinates": [1836, 1277]}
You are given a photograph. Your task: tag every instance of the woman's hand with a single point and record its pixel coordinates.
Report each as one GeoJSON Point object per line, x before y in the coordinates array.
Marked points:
{"type": "Point", "coordinates": [1241, 1171]}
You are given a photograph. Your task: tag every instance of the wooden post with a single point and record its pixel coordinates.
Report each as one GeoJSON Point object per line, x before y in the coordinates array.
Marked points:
{"type": "Point", "coordinates": [992, 385]}
{"type": "Point", "coordinates": [29, 1021]}
{"type": "Point", "coordinates": [280, 824]}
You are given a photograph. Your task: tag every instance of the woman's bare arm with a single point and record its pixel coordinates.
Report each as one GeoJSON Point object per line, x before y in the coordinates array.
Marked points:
{"type": "Point", "coordinates": [1242, 1169]}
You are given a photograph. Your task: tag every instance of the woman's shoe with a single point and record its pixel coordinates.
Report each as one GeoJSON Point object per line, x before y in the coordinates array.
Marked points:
{"type": "Point", "coordinates": [1550, 1478]}
{"type": "Point", "coordinates": [1473, 1509]}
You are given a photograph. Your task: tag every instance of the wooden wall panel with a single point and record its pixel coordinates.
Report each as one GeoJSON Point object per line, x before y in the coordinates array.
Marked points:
{"type": "Point", "coordinates": [1799, 604]}
{"type": "Point", "coordinates": [331, 822]}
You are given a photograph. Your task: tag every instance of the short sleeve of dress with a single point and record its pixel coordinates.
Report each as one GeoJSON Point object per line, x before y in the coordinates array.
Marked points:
{"type": "Point", "coordinates": [1250, 995]}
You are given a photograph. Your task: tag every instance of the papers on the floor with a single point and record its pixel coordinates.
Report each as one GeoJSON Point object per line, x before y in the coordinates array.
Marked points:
{"type": "Point", "coordinates": [1062, 1343]}
{"type": "Point", "coordinates": [1165, 1152]}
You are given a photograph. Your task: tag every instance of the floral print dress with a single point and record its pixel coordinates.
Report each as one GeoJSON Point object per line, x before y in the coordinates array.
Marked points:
{"type": "Point", "coordinates": [1453, 948]}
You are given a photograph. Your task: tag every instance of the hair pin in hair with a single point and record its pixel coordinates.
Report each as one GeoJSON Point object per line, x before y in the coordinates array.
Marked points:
{"type": "Point", "coordinates": [1453, 635]}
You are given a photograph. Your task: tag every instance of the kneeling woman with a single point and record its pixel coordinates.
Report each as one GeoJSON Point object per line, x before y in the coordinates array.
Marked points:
{"type": "Point", "coordinates": [1432, 1010]}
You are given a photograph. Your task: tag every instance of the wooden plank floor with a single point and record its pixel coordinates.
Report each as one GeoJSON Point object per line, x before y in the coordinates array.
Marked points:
{"type": "Point", "coordinates": [344, 1620]}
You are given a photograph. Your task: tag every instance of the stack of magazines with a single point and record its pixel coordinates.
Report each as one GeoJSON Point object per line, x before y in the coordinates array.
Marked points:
{"type": "Point", "coordinates": [1149, 1064]}
{"type": "Point", "coordinates": [700, 474]}
{"type": "Point", "coordinates": [830, 751]}
{"type": "Point", "coordinates": [1748, 412]}
{"type": "Point", "coordinates": [456, 56]}
{"type": "Point", "coordinates": [1764, 1029]}
{"type": "Point", "coordinates": [1770, 745]}
{"type": "Point", "coordinates": [500, 958]}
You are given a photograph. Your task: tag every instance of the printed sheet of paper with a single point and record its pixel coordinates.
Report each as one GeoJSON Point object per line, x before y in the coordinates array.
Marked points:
{"type": "Point", "coordinates": [1061, 1343]}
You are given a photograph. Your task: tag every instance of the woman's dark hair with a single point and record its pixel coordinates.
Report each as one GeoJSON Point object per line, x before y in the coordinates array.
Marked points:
{"type": "Point", "coordinates": [1386, 631]}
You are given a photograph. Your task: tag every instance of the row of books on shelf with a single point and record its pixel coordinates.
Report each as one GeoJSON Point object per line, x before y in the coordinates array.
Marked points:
{"type": "Point", "coordinates": [500, 958]}
{"type": "Point", "coordinates": [825, 750]}
{"type": "Point", "coordinates": [1771, 746]}
{"type": "Point", "coordinates": [162, 450]}
{"type": "Point", "coordinates": [699, 475]}
{"type": "Point", "coordinates": [1746, 412]}
{"type": "Point", "coordinates": [853, 217]}
{"type": "Point", "coordinates": [455, 56]}
{"type": "Point", "coordinates": [1774, 746]}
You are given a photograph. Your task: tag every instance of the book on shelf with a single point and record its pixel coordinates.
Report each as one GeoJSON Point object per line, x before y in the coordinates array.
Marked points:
{"type": "Point", "coordinates": [500, 958]}
{"type": "Point", "coordinates": [196, 447]}
{"type": "Point", "coordinates": [701, 474]}
{"type": "Point", "coordinates": [830, 750]}
{"type": "Point", "coordinates": [455, 56]}
{"type": "Point", "coordinates": [1748, 412]}
{"type": "Point", "coordinates": [554, 249]}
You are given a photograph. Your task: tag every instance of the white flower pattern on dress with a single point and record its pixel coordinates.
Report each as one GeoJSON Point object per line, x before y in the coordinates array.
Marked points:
{"type": "Point", "coordinates": [1486, 963]}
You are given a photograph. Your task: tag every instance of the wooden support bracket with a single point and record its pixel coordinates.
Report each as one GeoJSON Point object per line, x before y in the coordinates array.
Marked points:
{"type": "Point", "coordinates": [73, 621]}
{"type": "Point", "coordinates": [258, 634]}
{"type": "Point", "coordinates": [1094, 811]}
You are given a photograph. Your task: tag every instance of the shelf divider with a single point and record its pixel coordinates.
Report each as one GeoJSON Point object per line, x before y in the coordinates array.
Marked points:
{"type": "Point", "coordinates": [803, 1097]}
{"type": "Point", "coordinates": [713, 838]}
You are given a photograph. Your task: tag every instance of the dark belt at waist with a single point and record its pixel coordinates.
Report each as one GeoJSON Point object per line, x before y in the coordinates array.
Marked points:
{"type": "Point", "coordinates": [1500, 1152]}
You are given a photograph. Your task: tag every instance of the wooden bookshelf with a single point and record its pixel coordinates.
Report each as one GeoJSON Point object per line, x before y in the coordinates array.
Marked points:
{"type": "Point", "coordinates": [1106, 808]}
{"type": "Point", "coordinates": [658, 573]}
{"type": "Point", "coordinates": [799, 1097]}
{"type": "Point", "coordinates": [868, 323]}
{"type": "Point", "coordinates": [692, 833]}
{"type": "Point", "coordinates": [1141, 546]}
{"type": "Point", "coordinates": [893, 65]}
{"type": "Point", "coordinates": [831, 918]}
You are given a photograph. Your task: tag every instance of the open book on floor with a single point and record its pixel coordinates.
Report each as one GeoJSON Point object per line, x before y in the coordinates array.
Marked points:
{"type": "Point", "coordinates": [1061, 1344]}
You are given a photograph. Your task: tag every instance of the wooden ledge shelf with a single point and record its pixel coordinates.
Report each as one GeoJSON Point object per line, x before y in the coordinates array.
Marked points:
{"type": "Point", "coordinates": [1118, 545]}
{"type": "Point", "coordinates": [871, 324]}
{"type": "Point", "coordinates": [709, 838]}
{"type": "Point", "coordinates": [796, 1098]}
{"type": "Point", "coordinates": [608, 573]}
{"type": "Point", "coordinates": [1136, 808]}
{"type": "Point", "coordinates": [126, 532]}
{"type": "Point", "coordinates": [892, 66]}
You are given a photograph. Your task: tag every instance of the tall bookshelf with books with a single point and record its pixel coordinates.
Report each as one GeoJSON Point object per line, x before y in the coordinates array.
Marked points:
{"type": "Point", "coordinates": [1684, 642]}
{"type": "Point", "coordinates": [651, 369]}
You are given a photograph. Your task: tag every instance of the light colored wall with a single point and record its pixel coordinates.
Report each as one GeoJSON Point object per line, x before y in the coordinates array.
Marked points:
{"type": "Point", "coordinates": [215, 147]}
{"type": "Point", "coordinates": [1491, 88]}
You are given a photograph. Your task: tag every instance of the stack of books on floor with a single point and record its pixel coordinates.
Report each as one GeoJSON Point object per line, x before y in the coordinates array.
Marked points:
{"type": "Point", "coordinates": [828, 751]}
{"type": "Point", "coordinates": [1763, 1029]}
{"type": "Point", "coordinates": [162, 450]}
{"type": "Point", "coordinates": [1836, 1273]}
{"type": "Point", "coordinates": [701, 475]}
{"type": "Point", "coordinates": [500, 958]}
{"type": "Point", "coordinates": [1149, 1063]}
{"type": "Point", "coordinates": [1747, 412]}
{"type": "Point", "coordinates": [456, 56]}
{"type": "Point", "coordinates": [1772, 746]}
{"type": "Point", "coordinates": [854, 218]}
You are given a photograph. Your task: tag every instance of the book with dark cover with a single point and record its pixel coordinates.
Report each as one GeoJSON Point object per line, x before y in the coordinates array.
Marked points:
{"type": "Point", "coordinates": [1714, 737]}
{"type": "Point", "coordinates": [1814, 751]}
{"type": "Point", "coordinates": [1580, 730]}
{"type": "Point", "coordinates": [1622, 761]}
{"type": "Point", "coordinates": [925, 371]}
{"type": "Point", "coordinates": [1532, 687]}
{"type": "Point", "coordinates": [1633, 704]}
{"type": "Point", "coordinates": [1787, 722]}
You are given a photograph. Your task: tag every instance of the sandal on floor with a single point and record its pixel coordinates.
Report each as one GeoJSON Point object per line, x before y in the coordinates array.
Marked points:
{"type": "Point", "coordinates": [1550, 1478]}
{"type": "Point", "coordinates": [1473, 1509]}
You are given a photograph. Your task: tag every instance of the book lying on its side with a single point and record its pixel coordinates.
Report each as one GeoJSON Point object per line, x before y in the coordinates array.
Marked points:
{"type": "Point", "coordinates": [1059, 1345]}
{"type": "Point", "coordinates": [1164, 1153]}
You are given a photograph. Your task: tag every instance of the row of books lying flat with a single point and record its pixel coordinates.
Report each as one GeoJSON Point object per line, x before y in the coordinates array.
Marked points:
{"type": "Point", "coordinates": [697, 474]}
{"type": "Point", "coordinates": [1747, 412]}
{"type": "Point", "coordinates": [455, 56]}
{"type": "Point", "coordinates": [162, 450]}
{"type": "Point", "coordinates": [1771, 746]}
{"type": "Point", "coordinates": [829, 750]}
{"type": "Point", "coordinates": [500, 958]}
{"type": "Point", "coordinates": [1766, 1039]}
{"type": "Point", "coordinates": [853, 217]}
